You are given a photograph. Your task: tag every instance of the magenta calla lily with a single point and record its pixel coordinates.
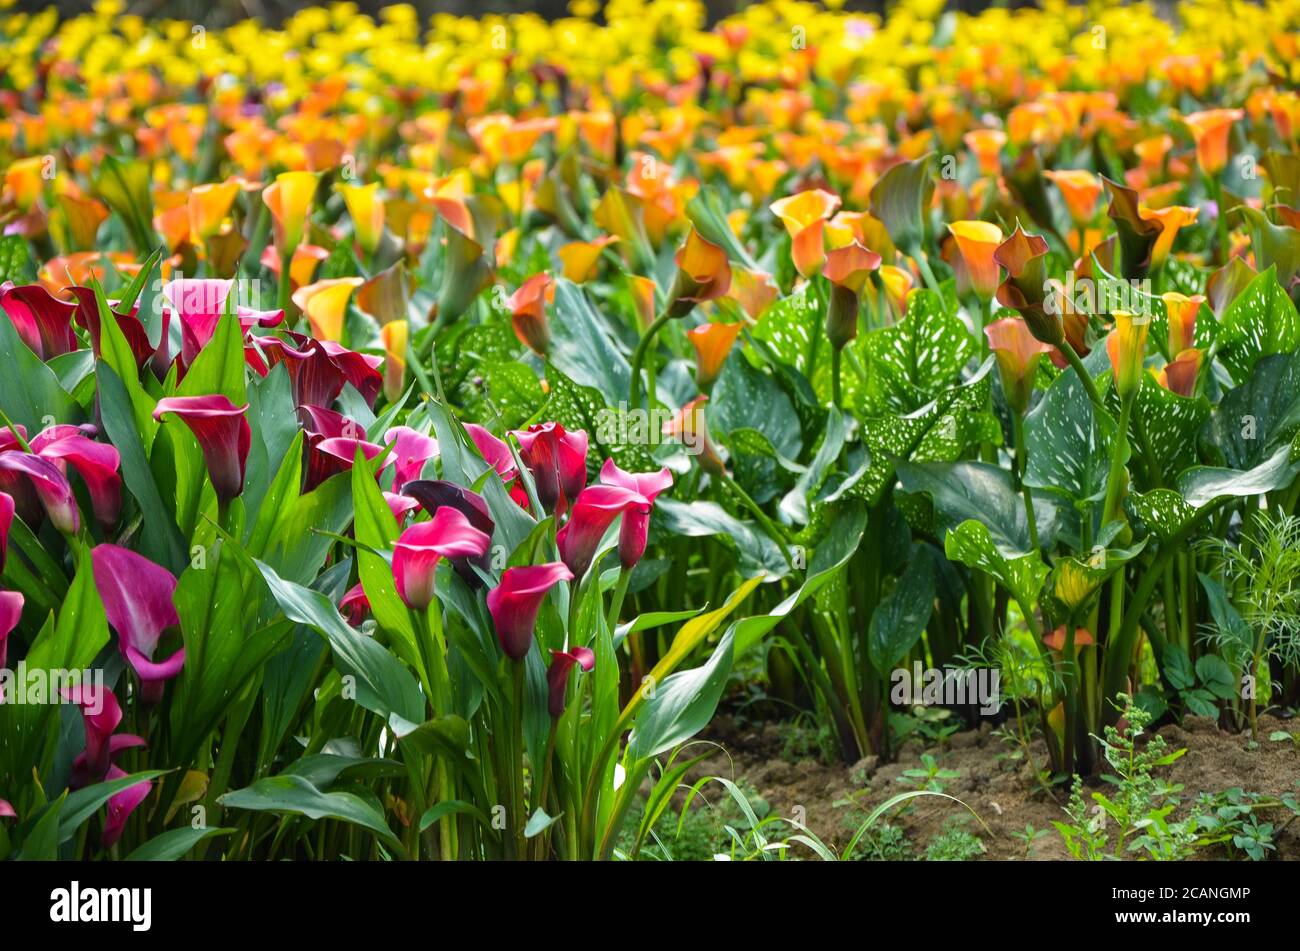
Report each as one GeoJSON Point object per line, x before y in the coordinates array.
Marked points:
{"type": "Point", "coordinates": [329, 457]}
{"type": "Point", "coordinates": [11, 612]}
{"type": "Point", "coordinates": [432, 494]}
{"type": "Point", "coordinates": [222, 430]}
{"type": "Point", "coordinates": [42, 320]}
{"type": "Point", "coordinates": [636, 521]}
{"type": "Point", "coordinates": [411, 450]}
{"type": "Point", "coordinates": [557, 675]}
{"type": "Point", "coordinates": [200, 303]}
{"type": "Point", "coordinates": [355, 605]}
{"type": "Point", "coordinates": [319, 369]}
{"type": "Point", "coordinates": [121, 805]}
{"type": "Point", "coordinates": [137, 596]}
{"type": "Point", "coordinates": [494, 452]}
{"type": "Point", "coordinates": [593, 513]}
{"type": "Point", "coordinates": [87, 316]}
{"type": "Point", "coordinates": [100, 716]}
{"type": "Point", "coordinates": [514, 603]}
{"type": "Point", "coordinates": [6, 810]}
{"type": "Point", "coordinates": [6, 522]}
{"type": "Point", "coordinates": [97, 463]}
{"type": "Point", "coordinates": [51, 487]}
{"type": "Point", "coordinates": [415, 556]}
{"type": "Point", "coordinates": [557, 460]}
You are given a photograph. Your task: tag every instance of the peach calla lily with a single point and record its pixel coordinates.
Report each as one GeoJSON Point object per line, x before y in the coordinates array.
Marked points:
{"type": "Point", "coordinates": [977, 241]}
{"type": "Point", "coordinates": [207, 206]}
{"type": "Point", "coordinates": [1171, 219]}
{"type": "Point", "coordinates": [1210, 130]}
{"type": "Point", "coordinates": [1080, 189]}
{"type": "Point", "coordinates": [804, 216]}
{"type": "Point", "coordinates": [848, 270]}
{"type": "Point", "coordinates": [1018, 354]}
{"type": "Point", "coordinates": [366, 209]}
{"type": "Point", "coordinates": [712, 343]}
{"type": "Point", "coordinates": [528, 312]}
{"type": "Point", "coordinates": [703, 274]}
{"type": "Point", "coordinates": [1179, 375]}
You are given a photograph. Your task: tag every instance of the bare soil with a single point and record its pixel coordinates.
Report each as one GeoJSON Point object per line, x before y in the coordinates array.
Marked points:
{"type": "Point", "coordinates": [1000, 788]}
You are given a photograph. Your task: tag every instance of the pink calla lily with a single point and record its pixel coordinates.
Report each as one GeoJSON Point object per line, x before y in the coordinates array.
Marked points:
{"type": "Point", "coordinates": [433, 494]}
{"type": "Point", "coordinates": [6, 810]}
{"type": "Point", "coordinates": [51, 487]}
{"type": "Point", "coordinates": [329, 457]}
{"type": "Point", "coordinates": [593, 513]}
{"type": "Point", "coordinates": [100, 716]}
{"type": "Point", "coordinates": [200, 303]}
{"type": "Point", "coordinates": [494, 452]}
{"type": "Point", "coordinates": [415, 556]}
{"type": "Point", "coordinates": [411, 450]}
{"type": "Point", "coordinates": [137, 596]}
{"type": "Point", "coordinates": [355, 605]}
{"type": "Point", "coordinates": [11, 612]}
{"type": "Point", "coordinates": [87, 316]}
{"type": "Point", "coordinates": [558, 461]}
{"type": "Point", "coordinates": [42, 320]}
{"type": "Point", "coordinates": [6, 521]}
{"type": "Point", "coordinates": [514, 603]}
{"type": "Point", "coordinates": [636, 522]}
{"type": "Point", "coordinates": [121, 805]}
{"type": "Point", "coordinates": [223, 434]}
{"type": "Point", "coordinates": [557, 675]}
{"type": "Point", "coordinates": [97, 463]}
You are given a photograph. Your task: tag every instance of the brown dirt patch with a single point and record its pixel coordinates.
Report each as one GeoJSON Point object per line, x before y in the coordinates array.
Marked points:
{"type": "Point", "coordinates": [1001, 789]}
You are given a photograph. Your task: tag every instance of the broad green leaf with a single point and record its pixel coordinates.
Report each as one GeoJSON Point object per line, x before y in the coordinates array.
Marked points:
{"type": "Point", "coordinates": [294, 795]}
{"type": "Point", "coordinates": [29, 390]}
{"type": "Point", "coordinates": [913, 361]}
{"type": "Point", "coordinates": [1252, 419]}
{"type": "Point", "coordinates": [582, 347]}
{"type": "Point", "coordinates": [980, 491]}
{"type": "Point", "coordinates": [1022, 576]}
{"type": "Point", "coordinates": [174, 843]}
{"type": "Point", "coordinates": [1262, 320]}
{"type": "Point", "coordinates": [1201, 485]}
{"type": "Point", "coordinates": [681, 705]}
{"type": "Point", "coordinates": [901, 617]}
{"type": "Point", "coordinates": [1068, 443]}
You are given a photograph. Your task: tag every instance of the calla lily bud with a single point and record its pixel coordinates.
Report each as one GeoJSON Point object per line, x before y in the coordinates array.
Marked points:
{"type": "Point", "coordinates": [222, 431]}
{"type": "Point", "coordinates": [1023, 255]}
{"type": "Point", "coordinates": [1018, 354]}
{"type": "Point", "coordinates": [1126, 346]}
{"type": "Point", "coordinates": [978, 242]}
{"type": "Point", "coordinates": [528, 312]}
{"type": "Point", "coordinates": [137, 596]}
{"type": "Point", "coordinates": [557, 675]}
{"type": "Point", "coordinates": [712, 343]}
{"type": "Point", "coordinates": [514, 604]}
{"type": "Point", "coordinates": [847, 269]}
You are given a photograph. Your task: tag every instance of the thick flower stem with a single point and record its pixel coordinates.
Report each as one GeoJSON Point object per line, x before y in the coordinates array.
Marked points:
{"type": "Point", "coordinates": [518, 818]}
{"type": "Point", "coordinates": [616, 600]}
{"type": "Point", "coordinates": [924, 264]}
{"type": "Point", "coordinates": [638, 360]}
{"type": "Point", "coordinates": [1021, 456]}
{"type": "Point", "coordinates": [1110, 510]}
{"type": "Point", "coordinates": [835, 377]}
{"type": "Point", "coordinates": [1089, 386]}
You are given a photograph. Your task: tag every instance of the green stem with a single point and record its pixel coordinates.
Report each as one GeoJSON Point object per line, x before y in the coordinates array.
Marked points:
{"type": "Point", "coordinates": [638, 360]}
{"type": "Point", "coordinates": [616, 602]}
{"type": "Point", "coordinates": [835, 377]}
{"type": "Point", "coordinates": [768, 525]}
{"type": "Point", "coordinates": [1089, 385]}
{"type": "Point", "coordinates": [924, 264]}
{"type": "Point", "coordinates": [1110, 510]}
{"type": "Point", "coordinates": [518, 819]}
{"type": "Point", "coordinates": [1018, 425]}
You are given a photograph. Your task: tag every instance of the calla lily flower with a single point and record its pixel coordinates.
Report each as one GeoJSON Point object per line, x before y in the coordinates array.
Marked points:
{"type": "Point", "coordinates": [87, 315]}
{"type": "Point", "coordinates": [11, 612]}
{"type": "Point", "coordinates": [394, 335]}
{"type": "Point", "coordinates": [557, 675]}
{"type": "Point", "coordinates": [328, 457]}
{"type": "Point", "coordinates": [1126, 346]}
{"type": "Point", "coordinates": [222, 431]}
{"type": "Point", "coordinates": [97, 463]}
{"type": "Point", "coordinates": [51, 486]}
{"type": "Point", "coordinates": [978, 241]}
{"type": "Point", "coordinates": [514, 604]}
{"type": "Point", "coordinates": [137, 596]}
{"type": "Point", "coordinates": [303, 265]}
{"type": "Point", "coordinates": [101, 714]}
{"type": "Point", "coordinates": [289, 200]}
{"type": "Point", "coordinates": [755, 291]}
{"type": "Point", "coordinates": [804, 216]}
{"type": "Point", "coordinates": [578, 259]}
{"type": "Point", "coordinates": [897, 284]}
{"type": "Point", "coordinates": [411, 450]}
{"type": "Point", "coordinates": [355, 605]}
{"type": "Point", "coordinates": [121, 805]}
{"type": "Point", "coordinates": [200, 304]}
{"type": "Point", "coordinates": [636, 523]}
{"type": "Point", "coordinates": [415, 556]}
{"type": "Point", "coordinates": [1017, 352]}
{"type": "Point", "coordinates": [593, 512]}
{"type": "Point", "coordinates": [848, 269]}
{"type": "Point", "coordinates": [1023, 255]}
{"type": "Point", "coordinates": [433, 494]}
{"type": "Point", "coordinates": [43, 321]}
{"type": "Point", "coordinates": [6, 810]}
{"type": "Point", "coordinates": [1080, 189]}
{"type": "Point", "coordinates": [495, 452]}
{"type": "Point", "coordinates": [208, 206]}
{"type": "Point", "coordinates": [1210, 130]}
{"type": "Point", "coordinates": [712, 343]}
{"type": "Point", "coordinates": [400, 505]}
{"type": "Point", "coordinates": [1172, 220]}
{"type": "Point", "coordinates": [325, 304]}
{"type": "Point", "coordinates": [558, 462]}
{"type": "Point", "coordinates": [1179, 375]}
{"type": "Point", "coordinates": [986, 145]}
{"type": "Point", "coordinates": [318, 369]}
{"type": "Point", "coordinates": [1182, 313]}
{"type": "Point", "coordinates": [6, 521]}
{"type": "Point", "coordinates": [366, 209]}
{"type": "Point", "coordinates": [1056, 640]}
{"type": "Point", "coordinates": [703, 274]}
{"type": "Point", "coordinates": [528, 312]}
{"type": "Point", "coordinates": [691, 428]}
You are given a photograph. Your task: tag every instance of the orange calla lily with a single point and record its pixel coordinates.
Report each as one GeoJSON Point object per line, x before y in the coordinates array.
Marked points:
{"type": "Point", "coordinates": [691, 428]}
{"type": "Point", "coordinates": [986, 145]}
{"type": "Point", "coordinates": [753, 290]}
{"type": "Point", "coordinates": [394, 336]}
{"type": "Point", "coordinates": [579, 258]}
{"type": "Point", "coordinates": [528, 312]}
{"type": "Point", "coordinates": [326, 303]}
{"type": "Point", "coordinates": [207, 206]}
{"type": "Point", "coordinates": [1056, 640]}
{"type": "Point", "coordinates": [1018, 353]}
{"type": "Point", "coordinates": [804, 216]}
{"type": "Point", "coordinates": [1179, 375]}
{"type": "Point", "coordinates": [703, 274]}
{"type": "Point", "coordinates": [1080, 189]}
{"type": "Point", "coordinates": [712, 343]}
{"type": "Point", "coordinates": [978, 241]}
{"type": "Point", "coordinates": [1182, 313]}
{"type": "Point", "coordinates": [289, 199]}
{"type": "Point", "coordinates": [1171, 220]}
{"type": "Point", "coordinates": [24, 181]}
{"type": "Point", "coordinates": [847, 269]}
{"type": "Point", "coordinates": [1210, 129]}
{"type": "Point", "coordinates": [897, 284]}
{"type": "Point", "coordinates": [642, 290]}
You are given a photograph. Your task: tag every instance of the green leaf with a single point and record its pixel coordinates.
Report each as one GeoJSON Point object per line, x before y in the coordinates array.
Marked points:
{"type": "Point", "coordinates": [758, 553]}
{"type": "Point", "coordinates": [681, 705]}
{"type": "Point", "coordinates": [913, 361]}
{"type": "Point", "coordinates": [901, 618]}
{"type": "Point", "coordinates": [30, 390]}
{"type": "Point", "coordinates": [294, 795]}
{"type": "Point", "coordinates": [1170, 424]}
{"type": "Point", "coordinates": [901, 199]}
{"type": "Point", "coordinates": [1023, 576]}
{"type": "Point", "coordinates": [710, 220]}
{"type": "Point", "coordinates": [1177, 667]}
{"type": "Point", "coordinates": [1068, 443]}
{"type": "Point", "coordinates": [174, 844]}
{"type": "Point", "coordinates": [1201, 485]}
{"type": "Point", "coordinates": [582, 347]}
{"type": "Point", "coordinates": [980, 491]}
{"type": "Point", "coordinates": [1216, 676]}
{"type": "Point", "coordinates": [16, 263]}
{"type": "Point", "coordinates": [1262, 320]}
{"type": "Point", "coordinates": [84, 803]}
{"type": "Point", "coordinates": [219, 367]}
{"type": "Point", "coordinates": [1254, 418]}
